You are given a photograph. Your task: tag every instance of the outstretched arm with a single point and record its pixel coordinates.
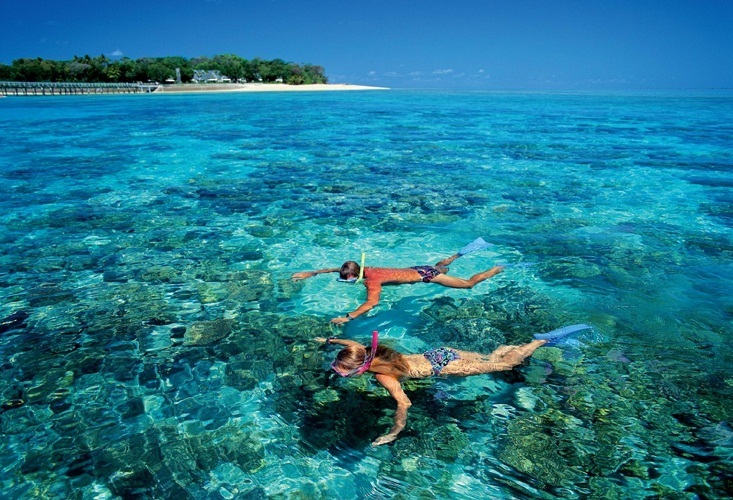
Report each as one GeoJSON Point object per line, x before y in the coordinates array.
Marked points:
{"type": "Point", "coordinates": [403, 404]}
{"type": "Point", "coordinates": [309, 274]}
{"type": "Point", "coordinates": [373, 293]}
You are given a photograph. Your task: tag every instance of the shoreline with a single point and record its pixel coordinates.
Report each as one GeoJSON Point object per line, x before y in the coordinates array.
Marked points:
{"type": "Point", "coordinates": [196, 88]}
{"type": "Point", "coordinates": [24, 89]}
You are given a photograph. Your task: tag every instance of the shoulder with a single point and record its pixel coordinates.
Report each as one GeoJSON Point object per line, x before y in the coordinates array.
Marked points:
{"type": "Point", "coordinates": [375, 276]}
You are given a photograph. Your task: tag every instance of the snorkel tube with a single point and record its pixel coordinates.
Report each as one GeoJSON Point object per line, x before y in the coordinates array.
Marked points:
{"type": "Point", "coordinates": [368, 360]}
{"type": "Point", "coordinates": [361, 269]}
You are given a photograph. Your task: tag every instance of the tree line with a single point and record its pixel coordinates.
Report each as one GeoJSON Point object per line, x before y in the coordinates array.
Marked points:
{"type": "Point", "coordinates": [102, 69]}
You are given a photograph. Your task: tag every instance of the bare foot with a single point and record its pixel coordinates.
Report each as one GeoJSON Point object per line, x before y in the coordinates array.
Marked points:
{"type": "Point", "coordinates": [494, 271]}
{"type": "Point", "coordinates": [487, 274]}
{"type": "Point", "coordinates": [517, 354]}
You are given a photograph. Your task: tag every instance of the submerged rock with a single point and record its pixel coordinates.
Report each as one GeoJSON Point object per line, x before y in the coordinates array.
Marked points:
{"type": "Point", "coordinates": [48, 294]}
{"type": "Point", "coordinates": [14, 321]}
{"type": "Point", "coordinates": [208, 332]}
{"type": "Point", "coordinates": [161, 274]}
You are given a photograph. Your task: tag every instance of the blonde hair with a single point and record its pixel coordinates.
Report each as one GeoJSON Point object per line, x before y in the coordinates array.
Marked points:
{"type": "Point", "coordinates": [353, 356]}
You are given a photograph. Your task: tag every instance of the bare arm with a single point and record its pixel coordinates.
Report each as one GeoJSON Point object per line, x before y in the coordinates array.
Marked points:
{"type": "Point", "coordinates": [309, 274]}
{"type": "Point", "coordinates": [394, 388]}
{"type": "Point", "coordinates": [373, 293]}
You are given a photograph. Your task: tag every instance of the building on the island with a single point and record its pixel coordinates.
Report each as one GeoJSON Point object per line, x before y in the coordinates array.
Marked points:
{"type": "Point", "coordinates": [209, 76]}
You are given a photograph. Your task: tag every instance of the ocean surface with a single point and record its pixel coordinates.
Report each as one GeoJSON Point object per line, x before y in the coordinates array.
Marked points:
{"type": "Point", "coordinates": [153, 345]}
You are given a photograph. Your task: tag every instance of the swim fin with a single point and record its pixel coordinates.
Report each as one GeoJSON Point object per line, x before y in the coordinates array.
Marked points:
{"type": "Point", "coordinates": [556, 335]}
{"type": "Point", "coordinates": [474, 246]}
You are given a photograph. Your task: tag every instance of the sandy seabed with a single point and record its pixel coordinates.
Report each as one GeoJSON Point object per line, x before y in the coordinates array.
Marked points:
{"type": "Point", "coordinates": [260, 87]}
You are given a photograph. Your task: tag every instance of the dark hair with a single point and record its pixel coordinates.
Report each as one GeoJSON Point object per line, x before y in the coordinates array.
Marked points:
{"type": "Point", "coordinates": [349, 269]}
{"type": "Point", "coordinates": [352, 357]}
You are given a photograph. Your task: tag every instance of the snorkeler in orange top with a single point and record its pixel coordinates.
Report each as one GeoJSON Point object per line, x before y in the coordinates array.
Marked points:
{"type": "Point", "coordinates": [375, 277]}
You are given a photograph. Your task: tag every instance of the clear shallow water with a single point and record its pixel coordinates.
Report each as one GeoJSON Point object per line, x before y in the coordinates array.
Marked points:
{"type": "Point", "coordinates": [153, 345]}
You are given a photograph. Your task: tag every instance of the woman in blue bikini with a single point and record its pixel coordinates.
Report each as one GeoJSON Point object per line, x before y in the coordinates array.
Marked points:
{"type": "Point", "coordinates": [389, 366]}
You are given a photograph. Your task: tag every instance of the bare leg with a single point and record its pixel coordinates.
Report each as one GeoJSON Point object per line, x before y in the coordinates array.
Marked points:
{"type": "Point", "coordinates": [442, 266]}
{"type": "Point", "coordinates": [515, 354]}
{"type": "Point", "coordinates": [455, 282]}
{"type": "Point", "coordinates": [502, 359]}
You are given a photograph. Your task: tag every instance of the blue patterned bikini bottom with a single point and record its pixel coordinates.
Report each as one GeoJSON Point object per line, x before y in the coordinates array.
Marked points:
{"type": "Point", "coordinates": [427, 273]}
{"type": "Point", "coordinates": [440, 357]}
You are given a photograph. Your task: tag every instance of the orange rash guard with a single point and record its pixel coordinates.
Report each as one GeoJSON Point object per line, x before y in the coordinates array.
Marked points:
{"type": "Point", "coordinates": [377, 276]}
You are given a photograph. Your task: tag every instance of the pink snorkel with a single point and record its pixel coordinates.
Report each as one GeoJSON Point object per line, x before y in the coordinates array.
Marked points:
{"type": "Point", "coordinates": [367, 361]}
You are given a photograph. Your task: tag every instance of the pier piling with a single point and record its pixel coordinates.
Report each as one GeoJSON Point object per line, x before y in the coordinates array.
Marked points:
{"type": "Point", "coordinates": [73, 88]}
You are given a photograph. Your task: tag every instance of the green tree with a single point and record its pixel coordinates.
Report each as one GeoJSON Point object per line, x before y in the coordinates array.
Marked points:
{"type": "Point", "coordinates": [158, 71]}
{"type": "Point", "coordinates": [6, 72]}
{"type": "Point", "coordinates": [314, 74]}
{"type": "Point", "coordinates": [102, 69]}
{"type": "Point", "coordinates": [128, 70]}
{"type": "Point", "coordinates": [32, 70]}
{"type": "Point", "coordinates": [296, 75]}
{"type": "Point", "coordinates": [251, 70]}
{"type": "Point", "coordinates": [229, 65]}
{"type": "Point", "coordinates": [97, 68]}
{"type": "Point", "coordinates": [113, 72]}
{"type": "Point", "coordinates": [202, 62]}
{"type": "Point", "coordinates": [181, 63]}
{"type": "Point", "coordinates": [279, 70]}
{"type": "Point", "coordinates": [78, 68]}
{"type": "Point", "coordinates": [267, 71]}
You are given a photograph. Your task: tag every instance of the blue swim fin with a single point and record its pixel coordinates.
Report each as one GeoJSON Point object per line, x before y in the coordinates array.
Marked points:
{"type": "Point", "coordinates": [556, 335]}
{"type": "Point", "coordinates": [474, 246]}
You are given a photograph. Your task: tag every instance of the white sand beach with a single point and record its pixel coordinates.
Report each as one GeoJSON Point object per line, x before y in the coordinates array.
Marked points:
{"type": "Point", "coordinates": [260, 87]}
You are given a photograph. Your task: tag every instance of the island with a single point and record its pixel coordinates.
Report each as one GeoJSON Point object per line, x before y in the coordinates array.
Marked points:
{"type": "Point", "coordinates": [102, 75]}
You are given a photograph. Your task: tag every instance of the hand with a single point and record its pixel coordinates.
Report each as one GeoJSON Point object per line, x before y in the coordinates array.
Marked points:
{"type": "Point", "coordinates": [302, 276]}
{"type": "Point", "coordinates": [387, 438]}
{"type": "Point", "coordinates": [340, 320]}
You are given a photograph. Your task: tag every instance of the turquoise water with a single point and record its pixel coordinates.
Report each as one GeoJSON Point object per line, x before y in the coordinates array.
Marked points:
{"type": "Point", "coordinates": [153, 346]}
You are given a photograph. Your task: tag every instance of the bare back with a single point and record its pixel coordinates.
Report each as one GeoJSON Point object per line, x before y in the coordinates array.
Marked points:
{"type": "Point", "coordinates": [472, 363]}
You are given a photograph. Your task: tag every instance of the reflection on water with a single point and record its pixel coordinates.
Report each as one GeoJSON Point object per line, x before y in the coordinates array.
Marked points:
{"type": "Point", "coordinates": [152, 344]}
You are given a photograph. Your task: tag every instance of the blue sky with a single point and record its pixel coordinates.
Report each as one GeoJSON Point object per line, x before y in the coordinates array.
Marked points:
{"type": "Point", "coordinates": [471, 44]}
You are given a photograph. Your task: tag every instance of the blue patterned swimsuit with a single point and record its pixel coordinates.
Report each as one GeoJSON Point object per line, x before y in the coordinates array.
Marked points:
{"type": "Point", "coordinates": [440, 357]}
{"type": "Point", "coordinates": [427, 273]}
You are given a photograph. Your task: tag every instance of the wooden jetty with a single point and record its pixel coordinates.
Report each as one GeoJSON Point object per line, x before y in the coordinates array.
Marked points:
{"type": "Point", "coordinates": [73, 88]}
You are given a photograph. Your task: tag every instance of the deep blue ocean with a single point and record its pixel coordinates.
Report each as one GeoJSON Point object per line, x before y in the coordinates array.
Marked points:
{"type": "Point", "coordinates": [153, 345]}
